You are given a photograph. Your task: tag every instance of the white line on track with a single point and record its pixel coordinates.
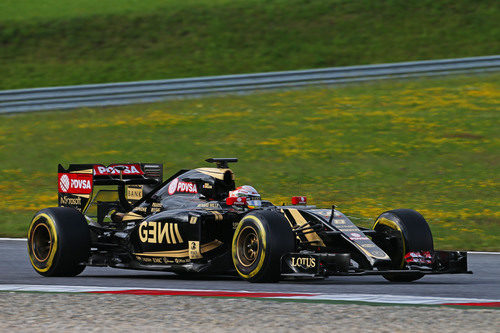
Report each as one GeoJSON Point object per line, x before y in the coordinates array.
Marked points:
{"type": "Point", "coordinates": [368, 298]}
{"type": "Point", "coordinates": [13, 239]}
{"type": "Point", "coordinates": [392, 299]}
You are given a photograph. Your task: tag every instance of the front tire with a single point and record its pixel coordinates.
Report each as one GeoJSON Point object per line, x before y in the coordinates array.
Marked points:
{"type": "Point", "coordinates": [400, 231]}
{"type": "Point", "coordinates": [58, 242]}
{"type": "Point", "coordinates": [259, 242]}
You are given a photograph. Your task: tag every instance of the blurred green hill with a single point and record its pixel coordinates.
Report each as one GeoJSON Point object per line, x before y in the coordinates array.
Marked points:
{"type": "Point", "coordinates": [57, 42]}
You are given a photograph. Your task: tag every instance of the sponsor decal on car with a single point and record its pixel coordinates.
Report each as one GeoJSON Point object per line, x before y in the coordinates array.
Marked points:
{"type": "Point", "coordinates": [75, 183]}
{"type": "Point", "coordinates": [134, 192]}
{"type": "Point", "coordinates": [238, 201]}
{"type": "Point", "coordinates": [325, 213]}
{"type": "Point", "coordinates": [177, 185]}
{"type": "Point", "coordinates": [357, 236]}
{"type": "Point", "coordinates": [300, 263]}
{"type": "Point", "coordinates": [173, 186]}
{"type": "Point", "coordinates": [158, 232]}
{"type": "Point", "coordinates": [71, 201]}
{"type": "Point", "coordinates": [347, 229]}
{"type": "Point", "coordinates": [377, 253]}
{"type": "Point", "coordinates": [111, 170]}
{"type": "Point", "coordinates": [161, 260]}
{"type": "Point", "coordinates": [194, 250]}
{"type": "Point", "coordinates": [303, 262]}
{"type": "Point", "coordinates": [209, 205]}
{"type": "Point", "coordinates": [422, 257]}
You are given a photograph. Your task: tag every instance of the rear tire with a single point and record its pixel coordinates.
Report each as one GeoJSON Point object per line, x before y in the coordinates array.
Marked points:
{"type": "Point", "coordinates": [260, 240]}
{"type": "Point", "coordinates": [408, 231]}
{"type": "Point", "coordinates": [58, 242]}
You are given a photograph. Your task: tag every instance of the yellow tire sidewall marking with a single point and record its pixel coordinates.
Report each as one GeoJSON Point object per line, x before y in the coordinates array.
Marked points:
{"type": "Point", "coordinates": [262, 235]}
{"type": "Point", "coordinates": [393, 225]}
{"type": "Point", "coordinates": [49, 222]}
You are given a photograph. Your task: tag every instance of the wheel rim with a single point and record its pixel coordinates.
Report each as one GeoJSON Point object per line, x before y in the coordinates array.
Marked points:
{"type": "Point", "coordinates": [41, 242]}
{"type": "Point", "coordinates": [248, 246]}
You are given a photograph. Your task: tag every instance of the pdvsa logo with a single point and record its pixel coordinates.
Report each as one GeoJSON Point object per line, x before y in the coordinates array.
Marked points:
{"type": "Point", "coordinates": [177, 185]}
{"type": "Point", "coordinates": [80, 184]}
{"type": "Point", "coordinates": [75, 183]}
{"type": "Point", "coordinates": [111, 170]}
{"type": "Point", "coordinates": [64, 183]}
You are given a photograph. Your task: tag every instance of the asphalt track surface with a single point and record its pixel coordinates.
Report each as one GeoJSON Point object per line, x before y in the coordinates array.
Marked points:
{"type": "Point", "coordinates": [484, 283]}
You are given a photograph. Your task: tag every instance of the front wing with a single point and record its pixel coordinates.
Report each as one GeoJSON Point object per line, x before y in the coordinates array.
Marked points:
{"type": "Point", "coordinates": [311, 265]}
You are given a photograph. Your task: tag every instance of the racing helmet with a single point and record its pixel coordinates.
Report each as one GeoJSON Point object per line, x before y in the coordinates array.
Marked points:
{"type": "Point", "coordinates": [253, 197]}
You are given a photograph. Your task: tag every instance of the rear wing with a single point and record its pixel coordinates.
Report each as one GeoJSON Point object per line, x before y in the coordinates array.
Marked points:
{"type": "Point", "coordinates": [79, 182]}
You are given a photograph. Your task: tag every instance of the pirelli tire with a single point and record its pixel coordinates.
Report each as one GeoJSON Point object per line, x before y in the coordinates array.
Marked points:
{"type": "Point", "coordinates": [58, 242]}
{"type": "Point", "coordinates": [260, 240]}
{"type": "Point", "coordinates": [401, 231]}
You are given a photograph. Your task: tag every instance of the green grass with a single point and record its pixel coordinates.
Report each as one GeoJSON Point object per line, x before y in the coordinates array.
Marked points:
{"type": "Point", "coordinates": [430, 144]}
{"type": "Point", "coordinates": [54, 42]}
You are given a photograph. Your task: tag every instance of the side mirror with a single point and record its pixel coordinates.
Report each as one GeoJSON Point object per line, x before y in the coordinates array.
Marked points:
{"type": "Point", "coordinates": [299, 201]}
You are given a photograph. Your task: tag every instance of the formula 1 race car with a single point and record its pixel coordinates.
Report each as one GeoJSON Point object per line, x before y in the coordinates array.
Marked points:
{"type": "Point", "coordinates": [197, 221]}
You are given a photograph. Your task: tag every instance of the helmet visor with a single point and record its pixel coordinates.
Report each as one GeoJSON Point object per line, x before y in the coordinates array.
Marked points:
{"type": "Point", "coordinates": [254, 202]}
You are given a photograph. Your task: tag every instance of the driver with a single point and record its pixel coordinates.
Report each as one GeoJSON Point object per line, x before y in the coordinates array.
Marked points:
{"type": "Point", "coordinates": [253, 197]}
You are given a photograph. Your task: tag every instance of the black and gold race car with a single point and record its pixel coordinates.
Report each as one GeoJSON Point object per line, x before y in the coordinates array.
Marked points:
{"type": "Point", "coordinates": [126, 216]}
